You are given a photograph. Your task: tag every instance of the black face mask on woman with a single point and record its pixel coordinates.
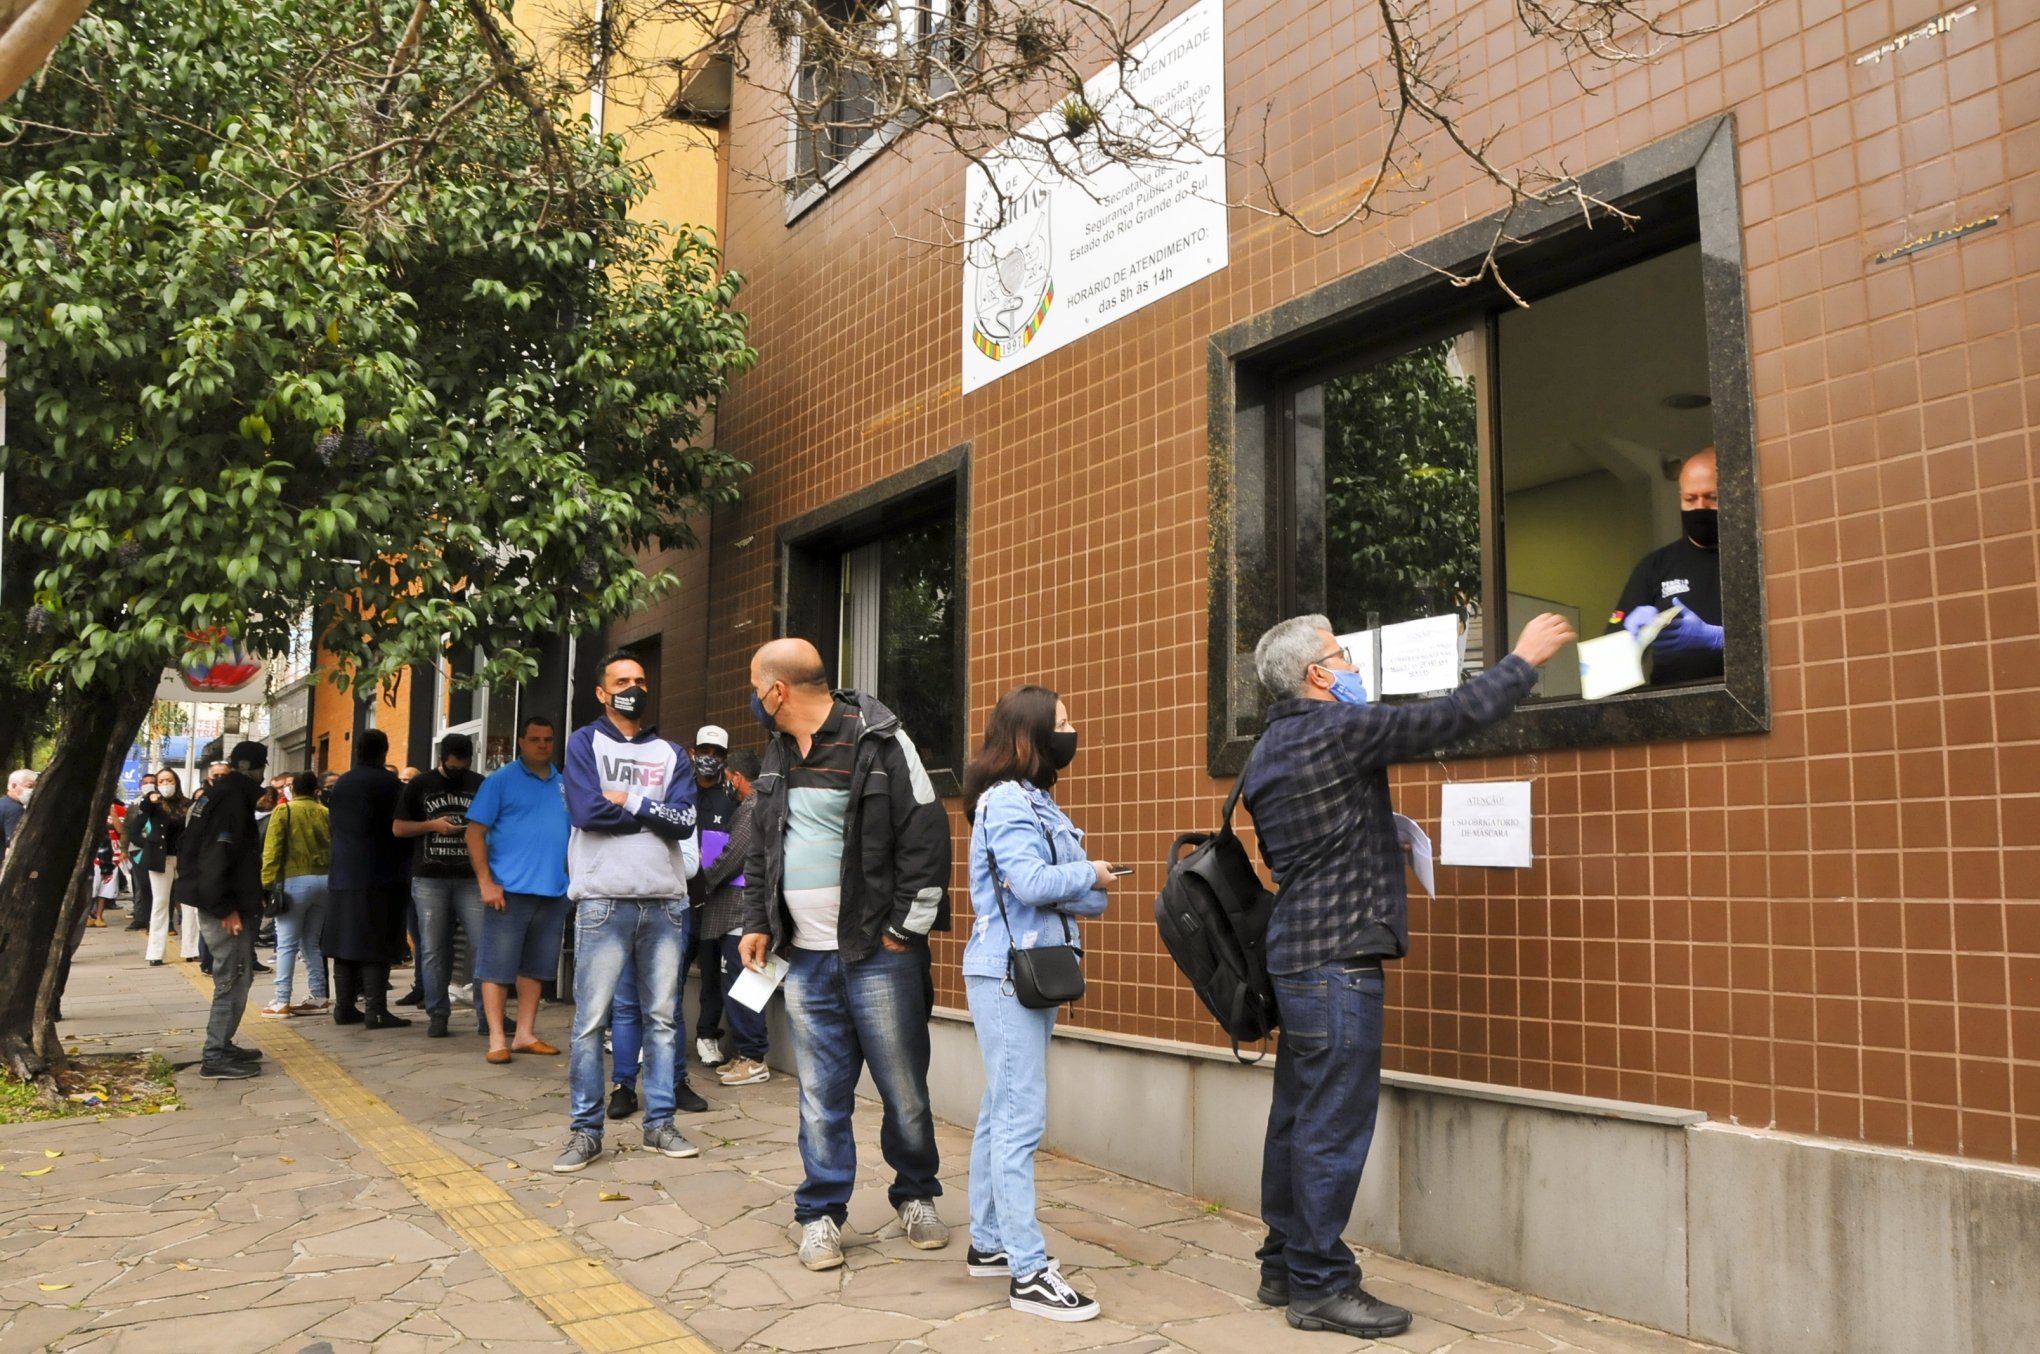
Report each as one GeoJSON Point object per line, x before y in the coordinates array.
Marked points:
{"type": "Point", "coordinates": [1701, 526]}
{"type": "Point", "coordinates": [1062, 747]}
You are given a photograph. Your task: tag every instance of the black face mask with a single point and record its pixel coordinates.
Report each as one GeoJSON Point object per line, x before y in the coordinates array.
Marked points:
{"type": "Point", "coordinates": [1700, 526]}
{"type": "Point", "coordinates": [631, 702]}
{"type": "Point", "coordinates": [1062, 747]}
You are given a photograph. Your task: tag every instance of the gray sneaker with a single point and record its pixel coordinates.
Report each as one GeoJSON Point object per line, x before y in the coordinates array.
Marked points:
{"type": "Point", "coordinates": [925, 1231]}
{"type": "Point", "coordinates": [667, 1141]}
{"type": "Point", "coordinates": [821, 1244]}
{"type": "Point", "coordinates": [582, 1148]}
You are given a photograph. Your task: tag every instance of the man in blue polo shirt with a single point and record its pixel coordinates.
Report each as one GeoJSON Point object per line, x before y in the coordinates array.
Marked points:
{"type": "Point", "coordinates": [517, 839]}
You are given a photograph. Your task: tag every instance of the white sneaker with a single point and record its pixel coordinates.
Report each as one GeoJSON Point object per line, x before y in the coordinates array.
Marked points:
{"type": "Point", "coordinates": [1049, 1294]}
{"type": "Point", "coordinates": [709, 1051]}
{"type": "Point", "coordinates": [821, 1244]}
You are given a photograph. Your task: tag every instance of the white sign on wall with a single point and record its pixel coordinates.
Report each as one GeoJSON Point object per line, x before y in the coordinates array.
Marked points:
{"type": "Point", "coordinates": [1077, 245]}
{"type": "Point", "coordinates": [1485, 823]}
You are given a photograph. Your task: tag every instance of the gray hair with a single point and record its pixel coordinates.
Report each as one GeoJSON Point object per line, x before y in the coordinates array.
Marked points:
{"type": "Point", "coordinates": [20, 780]}
{"type": "Point", "coordinates": [1287, 652]}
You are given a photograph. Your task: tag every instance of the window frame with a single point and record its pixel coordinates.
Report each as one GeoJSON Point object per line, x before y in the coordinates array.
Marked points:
{"type": "Point", "coordinates": [802, 197]}
{"type": "Point", "coordinates": [1252, 367]}
{"type": "Point", "coordinates": [807, 582]}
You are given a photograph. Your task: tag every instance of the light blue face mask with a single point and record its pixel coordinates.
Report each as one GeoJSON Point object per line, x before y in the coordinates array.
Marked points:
{"type": "Point", "coordinates": [1348, 688]}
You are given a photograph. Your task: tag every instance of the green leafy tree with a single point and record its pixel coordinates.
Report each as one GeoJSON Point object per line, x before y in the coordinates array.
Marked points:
{"type": "Point", "coordinates": [318, 304]}
{"type": "Point", "coordinates": [1402, 490]}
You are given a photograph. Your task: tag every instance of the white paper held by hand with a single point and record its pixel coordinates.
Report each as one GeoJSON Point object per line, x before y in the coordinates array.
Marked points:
{"type": "Point", "coordinates": [754, 987]}
{"type": "Point", "coordinates": [1609, 665]}
{"type": "Point", "coordinates": [1419, 843]}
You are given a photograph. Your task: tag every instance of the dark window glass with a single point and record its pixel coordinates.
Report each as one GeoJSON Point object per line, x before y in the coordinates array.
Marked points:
{"type": "Point", "coordinates": [916, 627]}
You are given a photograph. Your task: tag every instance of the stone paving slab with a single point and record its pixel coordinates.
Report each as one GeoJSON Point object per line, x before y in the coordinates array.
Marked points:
{"type": "Point", "coordinates": [251, 1220]}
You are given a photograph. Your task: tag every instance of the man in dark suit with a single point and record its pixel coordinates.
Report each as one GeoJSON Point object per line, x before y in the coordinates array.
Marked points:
{"type": "Point", "coordinates": [370, 886]}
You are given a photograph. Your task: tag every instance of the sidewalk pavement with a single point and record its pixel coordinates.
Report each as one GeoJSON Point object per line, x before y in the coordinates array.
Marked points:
{"type": "Point", "coordinates": [382, 1191]}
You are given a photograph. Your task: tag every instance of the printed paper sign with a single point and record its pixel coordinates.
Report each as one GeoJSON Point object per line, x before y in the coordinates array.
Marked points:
{"type": "Point", "coordinates": [754, 987]}
{"type": "Point", "coordinates": [1420, 656]}
{"type": "Point", "coordinates": [1360, 647]}
{"type": "Point", "coordinates": [1079, 244]}
{"type": "Point", "coordinates": [1486, 823]}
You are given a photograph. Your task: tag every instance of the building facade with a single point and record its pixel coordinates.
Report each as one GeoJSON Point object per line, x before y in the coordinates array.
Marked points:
{"type": "Point", "coordinates": [1775, 965]}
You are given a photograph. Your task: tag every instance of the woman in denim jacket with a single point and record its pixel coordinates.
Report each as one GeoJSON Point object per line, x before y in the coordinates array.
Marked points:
{"type": "Point", "coordinates": [1024, 847]}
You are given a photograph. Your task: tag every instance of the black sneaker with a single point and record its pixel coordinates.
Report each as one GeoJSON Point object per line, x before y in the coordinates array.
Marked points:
{"type": "Point", "coordinates": [383, 1020]}
{"type": "Point", "coordinates": [986, 1264]}
{"type": "Point", "coordinates": [1273, 1292]}
{"type": "Point", "coordinates": [435, 1028]}
{"type": "Point", "coordinates": [261, 967]}
{"type": "Point", "coordinates": [622, 1103]}
{"type": "Point", "coordinates": [685, 1098]}
{"type": "Point", "coordinates": [347, 1015]}
{"type": "Point", "coordinates": [231, 1069]}
{"type": "Point", "coordinates": [414, 997]}
{"type": "Point", "coordinates": [1355, 1312]}
{"type": "Point", "coordinates": [243, 1055]}
{"type": "Point", "coordinates": [1049, 1294]}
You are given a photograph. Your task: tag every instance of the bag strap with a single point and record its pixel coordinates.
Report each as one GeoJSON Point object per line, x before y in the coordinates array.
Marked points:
{"type": "Point", "coordinates": [283, 860]}
{"type": "Point", "coordinates": [1239, 784]}
{"type": "Point", "coordinates": [999, 889]}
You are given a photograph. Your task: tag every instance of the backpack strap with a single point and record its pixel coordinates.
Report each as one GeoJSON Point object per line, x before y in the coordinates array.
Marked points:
{"type": "Point", "coordinates": [1239, 784]}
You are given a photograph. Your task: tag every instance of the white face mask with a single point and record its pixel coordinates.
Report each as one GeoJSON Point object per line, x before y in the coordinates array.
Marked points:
{"type": "Point", "coordinates": [27, 795]}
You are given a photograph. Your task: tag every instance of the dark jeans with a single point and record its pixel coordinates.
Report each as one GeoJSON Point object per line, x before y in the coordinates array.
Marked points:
{"type": "Point", "coordinates": [846, 1017]}
{"type": "Point", "coordinates": [144, 900]}
{"type": "Point", "coordinates": [747, 1027]}
{"type": "Point", "coordinates": [1327, 1086]}
{"type": "Point", "coordinates": [708, 951]}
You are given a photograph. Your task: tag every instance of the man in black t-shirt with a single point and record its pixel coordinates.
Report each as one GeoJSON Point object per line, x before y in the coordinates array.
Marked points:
{"type": "Point", "coordinates": [1688, 572]}
{"type": "Point", "coordinates": [433, 808]}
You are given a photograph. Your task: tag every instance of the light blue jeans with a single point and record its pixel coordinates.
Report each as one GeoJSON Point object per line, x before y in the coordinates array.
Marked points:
{"type": "Point", "coordinates": [650, 936]}
{"type": "Point", "coordinates": [298, 931]}
{"type": "Point", "coordinates": [1014, 1043]}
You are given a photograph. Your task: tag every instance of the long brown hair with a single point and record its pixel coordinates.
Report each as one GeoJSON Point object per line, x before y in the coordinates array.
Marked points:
{"type": "Point", "coordinates": [1015, 746]}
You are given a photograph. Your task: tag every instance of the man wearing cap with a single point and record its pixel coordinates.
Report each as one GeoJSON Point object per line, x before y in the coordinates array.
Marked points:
{"type": "Point", "coordinates": [433, 810]}
{"type": "Point", "coordinates": [517, 840]}
{"type": "Point", "coordinates": [222, 878]}
{"type": "Point", "coordinates": [713, 806]}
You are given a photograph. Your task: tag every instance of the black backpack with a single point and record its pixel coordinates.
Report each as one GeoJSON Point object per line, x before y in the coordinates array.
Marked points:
{"type": "Point", "coordinates": [1213, 915]}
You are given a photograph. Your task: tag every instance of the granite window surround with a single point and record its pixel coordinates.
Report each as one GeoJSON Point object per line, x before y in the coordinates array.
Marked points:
{"type": "Point", "coordinates": [1251, 363]}
{"type": "Point", "coordinates": [807, 570]}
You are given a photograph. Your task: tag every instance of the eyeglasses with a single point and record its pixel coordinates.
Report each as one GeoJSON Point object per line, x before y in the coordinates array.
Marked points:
{"type": "Point", "coordinates": [1343, 653]}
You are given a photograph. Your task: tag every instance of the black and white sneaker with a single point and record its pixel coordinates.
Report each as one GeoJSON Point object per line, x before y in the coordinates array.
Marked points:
{"type": "Point", "coordinates": [1049, 1294]}
{"type": "Point", "coordinates": [986, 1264]}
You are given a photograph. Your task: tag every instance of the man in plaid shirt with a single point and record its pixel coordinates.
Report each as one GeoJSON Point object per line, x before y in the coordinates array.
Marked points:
{"type": "Point", "coordinates": [1317, 787]}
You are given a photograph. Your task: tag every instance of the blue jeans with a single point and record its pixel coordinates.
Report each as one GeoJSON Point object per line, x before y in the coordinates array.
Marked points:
{"type": "Point", "coordinates": [299, 930]}
{"type": "Point", "coordinates": [626, 1030]}
{"type": "Point", "coordinates": [648, 937]}
{"type": "Point", "coordinates": [747, 1027]}
{"type": "Point", "coordinates": [846, 1017]}
{"type": "Point", "coordinates": [1014, 1042]}
{"type": "Point", "coordinates": [439, 902]}
{"type": "Point", "coordinates": [1327, 1087]}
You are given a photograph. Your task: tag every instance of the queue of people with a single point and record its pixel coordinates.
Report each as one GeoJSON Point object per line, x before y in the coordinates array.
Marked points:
{"type": "Point", "coordinates": [827, 873]}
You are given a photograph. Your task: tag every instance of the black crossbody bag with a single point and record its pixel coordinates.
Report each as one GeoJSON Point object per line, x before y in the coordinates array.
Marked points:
{"type": "Point", "coordinates": [1050, 975]}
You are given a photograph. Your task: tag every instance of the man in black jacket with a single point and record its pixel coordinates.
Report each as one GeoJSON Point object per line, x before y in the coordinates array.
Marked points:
{"type": "Point", "coordinates": [222, 877]}
{"type": "Point", "coordinates": [847, 874]}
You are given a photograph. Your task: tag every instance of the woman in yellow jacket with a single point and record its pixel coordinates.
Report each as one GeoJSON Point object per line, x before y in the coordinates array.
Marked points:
{"type": "Point", "coordinates": [295, 853]}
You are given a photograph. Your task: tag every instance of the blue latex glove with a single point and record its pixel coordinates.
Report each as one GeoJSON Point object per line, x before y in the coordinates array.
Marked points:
{"type": "Point", "coordinates": [1637, 619]}
{"type": "Point", "coordinates": [1689, 634]}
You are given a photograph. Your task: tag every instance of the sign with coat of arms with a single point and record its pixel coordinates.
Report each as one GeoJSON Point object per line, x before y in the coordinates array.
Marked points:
{"type": "Point", "coordinates": [1063, 239]}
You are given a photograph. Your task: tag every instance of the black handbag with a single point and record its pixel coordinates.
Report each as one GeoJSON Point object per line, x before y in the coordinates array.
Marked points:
{"type": "Point", "coordinates": [275, 902]}
{"type": "Point", "coordinates": [1049, 975]}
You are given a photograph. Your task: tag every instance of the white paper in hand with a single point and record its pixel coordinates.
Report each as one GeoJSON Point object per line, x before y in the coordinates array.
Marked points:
{"type": "Point", "coordinates": [1609, 665]}
{"type": "Point", "coordinates": [1419, 841]}
{"type": "Point", "coordinates": [754, 987]}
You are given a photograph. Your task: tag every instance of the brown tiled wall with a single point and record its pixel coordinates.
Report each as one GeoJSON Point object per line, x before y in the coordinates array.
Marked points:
{"type": "Point", "coordinates": [1834, 928]}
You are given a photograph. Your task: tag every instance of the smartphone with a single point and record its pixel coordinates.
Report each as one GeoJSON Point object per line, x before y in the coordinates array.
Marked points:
{"type": "Point", "coordinates": [1121, 871]}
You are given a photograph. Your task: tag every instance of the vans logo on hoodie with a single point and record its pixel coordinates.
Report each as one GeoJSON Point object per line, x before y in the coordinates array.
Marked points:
{"type": "Point", "coordinates": [650, 775]}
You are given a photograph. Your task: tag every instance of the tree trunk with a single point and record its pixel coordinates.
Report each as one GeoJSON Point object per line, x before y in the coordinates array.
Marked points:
{"type": "Point", "coordinates": [49, 853]}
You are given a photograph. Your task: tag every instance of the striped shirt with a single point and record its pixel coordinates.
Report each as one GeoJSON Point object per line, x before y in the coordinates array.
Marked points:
{"type": "Point", "coordinates": [817, 808]}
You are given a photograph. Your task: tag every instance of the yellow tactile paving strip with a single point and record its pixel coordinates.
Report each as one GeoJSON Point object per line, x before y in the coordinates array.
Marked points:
{"type": "Point", "coordinates": [575, 1291]}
